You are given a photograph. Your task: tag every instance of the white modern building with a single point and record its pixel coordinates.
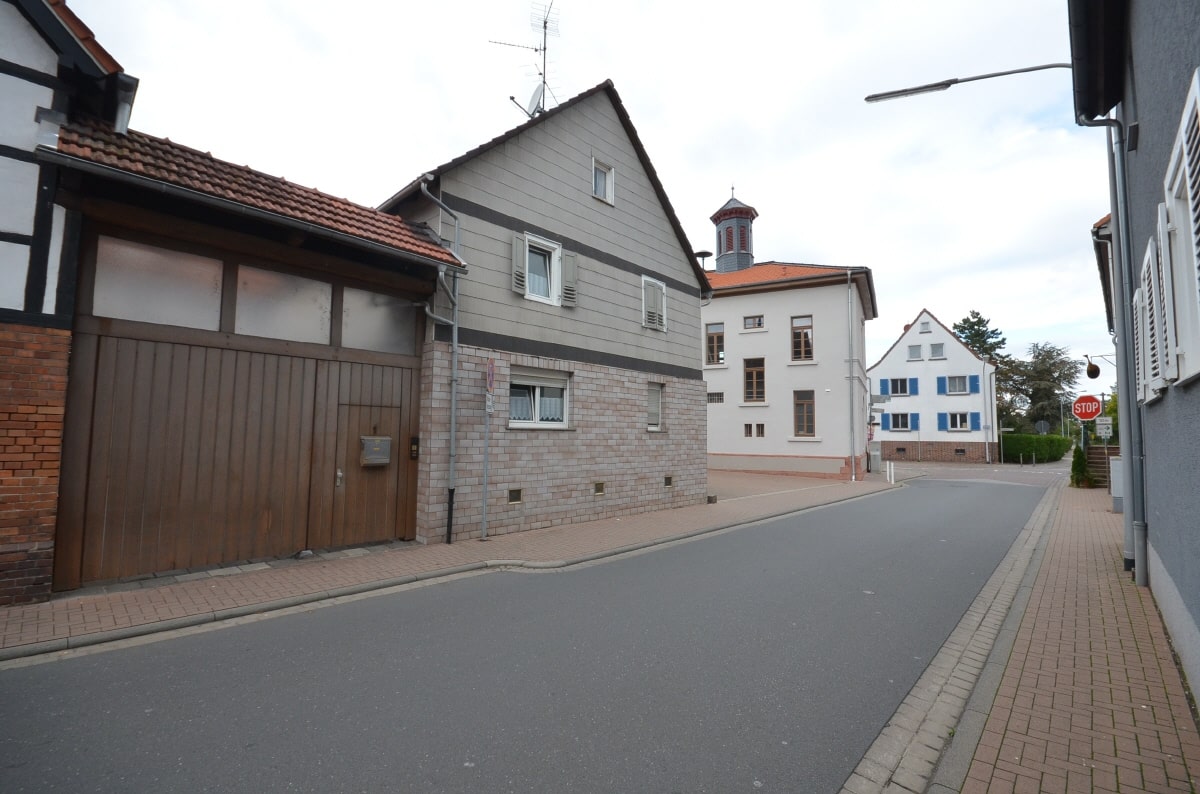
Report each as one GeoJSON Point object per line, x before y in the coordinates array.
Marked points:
{"type": "Point", "coordinates": [784, 360]}
{"type": "Point", "coordinates": [938, 398]}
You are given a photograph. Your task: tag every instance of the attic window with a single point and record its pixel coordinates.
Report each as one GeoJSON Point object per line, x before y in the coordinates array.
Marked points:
{"type": "Point", "coordinates": [925, 327]}
{"type": "Point", "coordinates": [603, 180]}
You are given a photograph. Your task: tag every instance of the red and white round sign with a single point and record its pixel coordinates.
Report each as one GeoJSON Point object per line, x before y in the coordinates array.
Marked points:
{"type": "Point", "coordinates": [1086, 407]}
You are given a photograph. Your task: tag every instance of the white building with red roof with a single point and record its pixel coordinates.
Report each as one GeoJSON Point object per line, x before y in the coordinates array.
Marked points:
{"type": "Point", "coordinates": [784, 359]}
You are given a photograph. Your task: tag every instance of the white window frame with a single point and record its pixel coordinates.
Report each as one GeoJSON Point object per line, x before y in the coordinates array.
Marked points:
{"type": "Point", "coordinates": [610, 179]}
{"type": "Point", "coordinates": [925, 329]}
{"type": "Point", "coordinates": [896, 418]}
{"type": "Point", "coordinates": [917, 357]}
{"type": "Point", "coordinates": [965, 384]}
{"type": "Point", "coordinates": [1179, 242]}
{"type": "Point", "coordinates": [937, 350]}
{"type": "Point", "coordinates": [654, 304]}
{"type": "Point", "coordinates": [1155, 351]}
{"type": "Point", "coordinates": [539, 380]}
{"type": "Point", "coordinates": [960, 418]}
{"type": "Point", "coordinates": [654, 407]}
{"type": "Point", "coordinates": [1139, 343]}
{"type": "Point", "coordinates": [892, 391]}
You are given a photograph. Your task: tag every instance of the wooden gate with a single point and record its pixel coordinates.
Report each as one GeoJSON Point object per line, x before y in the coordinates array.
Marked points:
{"type": "Point", "coordinates": [181, 456]}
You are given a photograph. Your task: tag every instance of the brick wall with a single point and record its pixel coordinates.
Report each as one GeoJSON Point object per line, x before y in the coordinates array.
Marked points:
{"type": "Point", "coordinates": [556, 470]}
{"type": "Point", "coordinates": [938, 451]}
{"type": "Point", "coordinates": [33, 383]}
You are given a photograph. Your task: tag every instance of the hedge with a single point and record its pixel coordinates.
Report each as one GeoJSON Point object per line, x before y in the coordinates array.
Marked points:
{"type": "Point", "coordinates": [1041, 448]}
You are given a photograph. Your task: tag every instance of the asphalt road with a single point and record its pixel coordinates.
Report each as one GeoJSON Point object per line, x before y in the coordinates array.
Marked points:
{"type": "Point", "coordinates": [762, 659]}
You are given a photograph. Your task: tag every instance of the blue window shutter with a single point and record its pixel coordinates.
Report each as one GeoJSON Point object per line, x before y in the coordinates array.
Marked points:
{"type": "Point", "coordinates": [912, 386]}
{"type": "Point", "coordinates": [941, 384]}
{"type": "Point", "coordinates": [887, 421]}
{"type": "Point", "coordinates": [974, 380]}
{"type": "Point", "coordinates": [943, 421]}
{"type": "Point", "coordinates": [975, 425]}
{"type": "Point", "coordinates": [914, 421]}
{"type": "Point", "coordinates": [883, 387]}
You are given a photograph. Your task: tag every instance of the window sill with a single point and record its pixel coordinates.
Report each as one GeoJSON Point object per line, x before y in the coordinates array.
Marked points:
{"type": "Point", "coordinates": [753, 331]}
{"type": "Point", "coordinates": [914, 359]}
{"type": "Point", "coordinates": [657, 430]}
{"type": "Point", "coordinates": [937, 358]}
{"type": "Point", "coordinates": [605, 200]}
{"type": "Point", "coordinates": [543, 301]}
{"type": "Point", "coordinates": [763, 404]}
{"type": "Point", "coordinates": [812, 362]}
{"type": "Point", "coordinates": [528, 426]}
{"type": "Point", "coordinates": [716, 366]}
{"type": "Point", "coordinates": [804, 439]}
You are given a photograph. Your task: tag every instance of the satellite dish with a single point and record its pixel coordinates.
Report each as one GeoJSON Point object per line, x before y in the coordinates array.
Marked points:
{"type": "Point", "coordinates": [535, 101]}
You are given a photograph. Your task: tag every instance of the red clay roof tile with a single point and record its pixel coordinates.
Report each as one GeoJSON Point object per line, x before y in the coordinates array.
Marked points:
{"type": "Point", "coordinates": [85, 36]}
{"type": "Point", "coordinates": [165, 161]}
{"type": "Point", "coordinates": [771, 272]}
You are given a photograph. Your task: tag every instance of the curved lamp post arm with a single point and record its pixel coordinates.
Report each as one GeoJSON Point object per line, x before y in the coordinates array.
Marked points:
{"type": "Point", "coordinates": [942, 85]}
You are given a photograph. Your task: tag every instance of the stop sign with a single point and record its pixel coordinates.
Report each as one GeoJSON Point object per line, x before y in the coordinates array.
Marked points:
{"type": "Point", "coordinates": [1086, 407]}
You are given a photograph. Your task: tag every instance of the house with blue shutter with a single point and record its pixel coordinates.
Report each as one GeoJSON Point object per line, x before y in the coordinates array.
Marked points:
{"type": "Point", "coordinates": [934, 398]}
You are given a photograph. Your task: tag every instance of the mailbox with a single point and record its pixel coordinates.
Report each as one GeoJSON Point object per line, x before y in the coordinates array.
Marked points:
{"type": "Point", "coordinates": [376, 450]}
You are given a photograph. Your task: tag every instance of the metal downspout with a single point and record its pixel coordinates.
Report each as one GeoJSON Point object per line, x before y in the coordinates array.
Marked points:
{"type": "Point", "coordinates": [452, 294]}
{"type": "Point", "coordinates": [850, 370]}
{"type": "Point", "coordinates": [1129, 415]}
{"type": "Point", "coordinates": [988, 390]}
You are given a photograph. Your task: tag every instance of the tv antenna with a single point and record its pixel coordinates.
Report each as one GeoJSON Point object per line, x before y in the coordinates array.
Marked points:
{"type": "Point", "coordinates": [543, 19]}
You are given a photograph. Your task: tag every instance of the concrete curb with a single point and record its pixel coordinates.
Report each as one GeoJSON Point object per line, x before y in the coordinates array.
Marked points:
{"type": "Point", "coordinates": [914, 743]}
{"type": "Point", "coordinates": [190, 621]}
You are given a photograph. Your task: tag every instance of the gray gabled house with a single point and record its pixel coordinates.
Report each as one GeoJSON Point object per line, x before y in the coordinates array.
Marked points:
{"type": "Point", "coordinates": [583, 302]}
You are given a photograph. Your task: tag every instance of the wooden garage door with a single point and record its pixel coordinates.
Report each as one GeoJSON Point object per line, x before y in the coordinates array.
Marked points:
{"type": "Point", "coordinates": [184, 456]}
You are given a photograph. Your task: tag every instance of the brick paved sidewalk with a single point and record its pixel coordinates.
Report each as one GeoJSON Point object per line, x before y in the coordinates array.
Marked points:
{"type": "Point", "coordinates": [1091, 699]}
{"type": "Point", "coordinates": [102, 615]}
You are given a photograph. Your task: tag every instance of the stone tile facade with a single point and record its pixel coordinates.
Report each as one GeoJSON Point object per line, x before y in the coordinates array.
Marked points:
{"type": "Point", "coordinates": [939, 451]}
{"type": "Point", "coordinates": [33, 383]}
{"type": "Point", "coordinates": [556, 471]}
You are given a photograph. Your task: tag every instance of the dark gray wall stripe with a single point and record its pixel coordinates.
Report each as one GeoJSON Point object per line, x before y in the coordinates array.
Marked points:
{"type": "Point", "coordinates": [68, 265]}
{"type": "Point", "coordinates": [30, 75]}
{"type": "Point", "coordinates": [532, 347]}
{"type": "Point", "coordinates": [13, 153]}
{"type": "Point", "coordinates": [14, 317]}
{"type": "Point", "coordinates": [39, 249]}
{"type": "Point", "coordinates": [515, 224]}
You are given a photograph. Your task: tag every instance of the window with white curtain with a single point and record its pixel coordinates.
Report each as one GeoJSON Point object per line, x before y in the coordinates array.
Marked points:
{"type": "Point", "coordinates": [538, 399]}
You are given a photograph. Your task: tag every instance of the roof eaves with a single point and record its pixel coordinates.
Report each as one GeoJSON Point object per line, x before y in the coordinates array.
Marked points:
{"type": "Point", "coordinates": [51, 155]}
{"type": "Point", "coordinates": [74, 41]}
{"type": "Point", "coordinates": [607, 86]}
{"type": "Point", "coordinates": [1097, 32]}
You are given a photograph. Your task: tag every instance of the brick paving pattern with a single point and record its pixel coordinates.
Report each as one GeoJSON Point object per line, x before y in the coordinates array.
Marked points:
{"type": "Point", "coordinates": [1091, 699]}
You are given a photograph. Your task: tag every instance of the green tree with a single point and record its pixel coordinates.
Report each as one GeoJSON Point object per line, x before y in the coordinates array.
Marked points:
{"type": "Point", "coordinates": [988, 343]}
{"type": "Point", "coordinates": [976, 332]}
{"type": "Point", "coordinates": [1044, 382]}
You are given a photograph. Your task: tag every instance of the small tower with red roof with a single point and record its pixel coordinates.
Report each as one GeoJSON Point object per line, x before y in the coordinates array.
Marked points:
{"type": "Point", "coordinates": [735, 236]}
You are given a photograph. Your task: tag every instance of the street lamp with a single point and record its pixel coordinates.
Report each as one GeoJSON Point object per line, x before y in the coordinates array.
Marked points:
{"type": "Point", "coordinates": [942, 85]}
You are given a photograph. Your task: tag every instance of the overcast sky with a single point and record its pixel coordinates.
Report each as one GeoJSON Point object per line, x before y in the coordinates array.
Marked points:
{"type": "Point", "coordinates": [981, 197]}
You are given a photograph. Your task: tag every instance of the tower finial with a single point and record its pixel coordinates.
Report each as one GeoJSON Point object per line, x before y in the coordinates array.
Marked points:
{"type": "Point", "coordinates": [731, 191]}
